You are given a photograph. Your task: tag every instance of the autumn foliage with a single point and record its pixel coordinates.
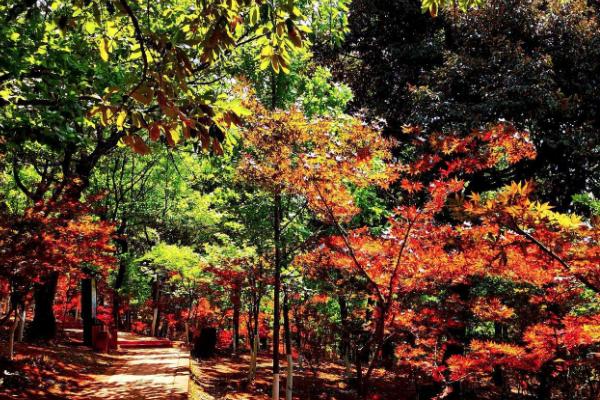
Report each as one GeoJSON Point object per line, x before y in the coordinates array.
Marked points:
{"type": "Point", "coordinates": [486, 292]}
{"type": "Point", "coordinates": [54, 236]}
{"type": "Point", "coordinates": [319, 160]}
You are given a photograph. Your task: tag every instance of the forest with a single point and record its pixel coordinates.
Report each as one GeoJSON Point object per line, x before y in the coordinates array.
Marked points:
{"type": "Point", "coordinates": [300, 199]}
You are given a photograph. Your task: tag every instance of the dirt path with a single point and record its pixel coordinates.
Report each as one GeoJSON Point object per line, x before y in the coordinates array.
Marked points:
{"type": "Point", "coordinates": [147, 373]}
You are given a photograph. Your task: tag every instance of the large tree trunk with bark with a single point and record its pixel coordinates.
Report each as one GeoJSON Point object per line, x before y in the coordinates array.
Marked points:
{"type": "Point", "coordinates": [43, 326]}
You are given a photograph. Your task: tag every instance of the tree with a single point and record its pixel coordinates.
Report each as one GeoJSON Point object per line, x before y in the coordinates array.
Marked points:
{"type": "Point", "coordinates": [230, 266]}
{"type": "Point", "coordinates": [472, 293]}
{"type": "Point", "coordinates": [530, 64]}
{"type": "Point", "coordinates": [387, 263]}
{"type": "Point", "coordinates": [318, 161]}
{"type": "Point", "coordinates": [128, 74]}
{"type": "Point", "coordinates": [173, 269]}
{"type": "Point", "coordinates": [52, 238]}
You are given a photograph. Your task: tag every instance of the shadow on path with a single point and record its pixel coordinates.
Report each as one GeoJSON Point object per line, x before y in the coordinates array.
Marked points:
{"type": "Point", "coordinates": [145, 373]}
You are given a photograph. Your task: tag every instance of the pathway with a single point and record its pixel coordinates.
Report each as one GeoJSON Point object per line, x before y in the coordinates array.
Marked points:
{"type": "Point", "coordinates": [142, 374]}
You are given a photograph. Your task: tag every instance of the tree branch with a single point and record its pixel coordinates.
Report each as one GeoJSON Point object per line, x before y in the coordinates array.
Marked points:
{"type": "Point", "coordinates": [344, 235]}
{"type": "Point", "coordinates": [515, 228]}
{"type": "Point", "coordinates": [18, 181]}
{"type": "Point", "coordinates": [400, 253]}
{"type": "Point", "coordinates": [138, 35]}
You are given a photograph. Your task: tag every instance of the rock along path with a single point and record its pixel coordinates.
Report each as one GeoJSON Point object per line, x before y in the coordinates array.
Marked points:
{"type": "Point", "coordinates": [142, 374]}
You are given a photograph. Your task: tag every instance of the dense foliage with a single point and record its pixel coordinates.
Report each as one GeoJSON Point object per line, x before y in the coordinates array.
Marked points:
{"type": "Point", "coordinates": [369, 183]}
{"type": "Point", "coordinates": [531, 63]}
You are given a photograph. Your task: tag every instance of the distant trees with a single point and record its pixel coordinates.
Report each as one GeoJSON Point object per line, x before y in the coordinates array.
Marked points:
{"type": "Point", "coordinates": [532, 64]}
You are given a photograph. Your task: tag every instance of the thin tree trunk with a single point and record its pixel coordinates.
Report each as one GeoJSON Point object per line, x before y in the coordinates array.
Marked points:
{"type": "Point", "coordinates": [88, 312]}
{"type": "Point", "coordinates": [255, 337]}
{"type": "Point", "coordinates": [21, 329]}
{"type": "Point", "coordinates": [155, 311]}
{"type": "Point", "coordinates": [289, 382]}
{"type": "Point", "coordinates": [277, 288]}
{"type": "Point", "coordinates": [544, 391]}
{"type": "Point", "coordinates": [254, 353]}
{"type": "Point", "coordinates": [299, 339]}
{"type": "Point", "coordinates": [11, 335]}
{"type": "Point", "coordinates": [345, 334]}
{"type": "Point", "coordinates": [359, 373]}
{"type": "Point", "coordinates": [236, 318]}
{"type": "Point", "coordinates": [187, 321]}
{"type": "Point", "coordinates": [120, 279]}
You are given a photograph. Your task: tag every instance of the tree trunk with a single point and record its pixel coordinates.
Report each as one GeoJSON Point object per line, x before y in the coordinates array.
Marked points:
{"type": "Point", "coordinates": [11, 335]}
{"type": "Point", "coordinates": [21, 329]}
{"type": "Point", "coordinates": [299, 330]}
{"type": "Point", "coordinates": [289, 382]}
{"type": "Point", "coordinates": [88, 308]}
{"type": "Point", "coordinates": [359, 373]}
{"type": "Point", "coordinates": [345, 345]}
{"type": "Point", "coordinates": [253, 354]}
{"type": "Point", "coordinates": [128, 321]}
{"type": "Point", "coordinates": [155, 311]}
{"type": "Point", "coordinates": [459, 336]}
{"type": "Point", "coordinates": [120, 279]}
{"type": "Point", "coordinates": [544, 391]}
{"type": "Point", "coordinates": [254, 332]}
{"type": "Point", "coordinates": [236, 318]}
{"type": "Point", "coordinates": [277, 288]}
{"type": "Point", "coordinates": [43, 326]}
{"type": "Point", "coordinates": [154, 327]}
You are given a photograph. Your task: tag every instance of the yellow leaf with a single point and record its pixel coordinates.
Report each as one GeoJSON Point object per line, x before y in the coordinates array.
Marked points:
{"type": "Point", "coordinates": [264, 64]}
{"type": "Point", "coordinates": [104, 49]}
{"type": "Point", "coordinates": [280, 29]}
{"type": "Point", "coordinates": [111, 28]}
{"type": "Point", "coordinates": [254, 15]}
{"type": "Point", "coordinates": [90, 27]}
{"type": "Point", "coordinates": [121, 119]}
{"type": "Point", "coordinates": [5, 94]}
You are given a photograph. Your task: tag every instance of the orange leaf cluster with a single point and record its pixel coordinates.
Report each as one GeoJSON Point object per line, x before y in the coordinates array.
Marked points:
{"type": "Point", "coordinates": [317, 159]}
